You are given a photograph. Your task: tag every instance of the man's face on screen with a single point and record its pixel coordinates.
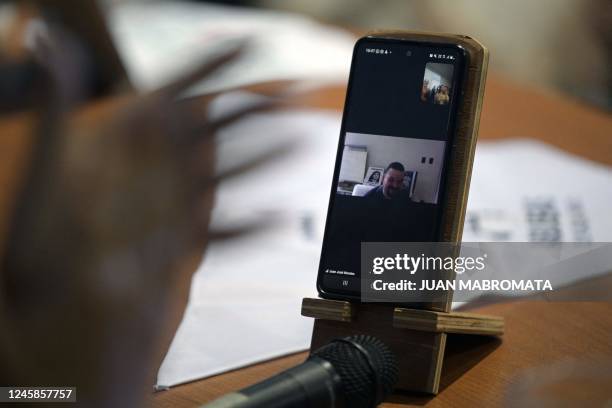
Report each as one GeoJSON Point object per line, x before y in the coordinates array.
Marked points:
{"type": "Point", "coordinates": [392, 182]}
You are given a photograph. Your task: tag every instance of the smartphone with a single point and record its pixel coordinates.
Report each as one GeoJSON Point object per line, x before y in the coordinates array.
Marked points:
{"type": "Point", "coordinates": [392, 164]}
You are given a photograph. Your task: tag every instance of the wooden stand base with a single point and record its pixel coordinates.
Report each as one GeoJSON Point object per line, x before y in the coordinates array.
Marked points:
{"type": "Point", "coordinates": [417, 337]}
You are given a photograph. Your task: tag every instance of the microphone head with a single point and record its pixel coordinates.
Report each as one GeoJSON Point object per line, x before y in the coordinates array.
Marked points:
{"type": "Point", "coordinates": [367, 367]}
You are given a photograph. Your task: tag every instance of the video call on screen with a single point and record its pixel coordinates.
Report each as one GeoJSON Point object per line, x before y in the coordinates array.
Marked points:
{"type": "Point", "coordinates": [392, 155]}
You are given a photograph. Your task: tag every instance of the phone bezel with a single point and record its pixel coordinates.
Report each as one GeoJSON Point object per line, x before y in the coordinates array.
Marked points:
{"type": "Point", "coordinates": [458, 92]}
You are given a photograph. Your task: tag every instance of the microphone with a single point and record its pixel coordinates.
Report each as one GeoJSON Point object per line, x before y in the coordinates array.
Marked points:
{"type": "Point", "coordinates": [355, 372]}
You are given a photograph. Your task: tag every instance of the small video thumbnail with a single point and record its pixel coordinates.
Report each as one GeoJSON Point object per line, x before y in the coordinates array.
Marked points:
{"type": "Point", "coordinates": [389, 168]}
{"type": "Point", "coordinates": [437, 83]}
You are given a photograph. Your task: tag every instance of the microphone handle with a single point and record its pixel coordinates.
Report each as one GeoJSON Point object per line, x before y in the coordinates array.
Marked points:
{"type": "Point", "coordinates": [312, 384]}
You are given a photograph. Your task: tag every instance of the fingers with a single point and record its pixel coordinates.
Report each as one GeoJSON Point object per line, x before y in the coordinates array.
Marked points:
{"type": "Point", "coordinates": [227, 234]}
{"type": "Point", "coordinates": [208, 68]}
{"type": "Point", "coordinates": [248, 223]}
{"type": "Point", "coordinates": [193, 125]}
{"type": "Point", "coordinates": [247, 166]}
{"type": "Point", "coordinates": [281, 98]}
{"type": "Point", "coordinates": [209, 129]}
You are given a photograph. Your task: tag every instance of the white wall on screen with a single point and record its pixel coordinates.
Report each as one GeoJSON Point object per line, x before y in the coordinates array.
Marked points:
{"type": "Point", "coordinates": [438, 74]}
{"type": "Point", "coordinates": [383, 150]}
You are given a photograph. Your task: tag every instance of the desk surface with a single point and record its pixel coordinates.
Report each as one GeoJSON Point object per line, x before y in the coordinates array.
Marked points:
{"type": "Point", "coordinates": [541, 337]}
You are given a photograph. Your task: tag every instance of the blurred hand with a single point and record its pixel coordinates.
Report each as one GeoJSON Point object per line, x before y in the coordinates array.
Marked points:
{"type": "Point", "coordinates": [110, 226]}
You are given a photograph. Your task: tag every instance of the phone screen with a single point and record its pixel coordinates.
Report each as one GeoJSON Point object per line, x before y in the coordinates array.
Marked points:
{"type": "Point", "coordinates": [395, 141]}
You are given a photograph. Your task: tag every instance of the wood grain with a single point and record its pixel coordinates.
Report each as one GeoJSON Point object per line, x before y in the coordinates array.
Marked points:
{"type": "Point", "coordinates": [417, 337]}
{"type": "Point", "coordinates": [327, 309]}
{"type": "Point", "coordinates": [419, 353]}
{"type": "Point", "coordinates": [453, 322]}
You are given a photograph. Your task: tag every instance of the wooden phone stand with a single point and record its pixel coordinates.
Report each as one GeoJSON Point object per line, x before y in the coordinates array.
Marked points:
{"type": "Point", "coordinates": [417, 337]}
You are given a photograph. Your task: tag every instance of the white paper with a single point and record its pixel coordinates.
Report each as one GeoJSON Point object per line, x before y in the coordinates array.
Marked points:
{"type": "Point", "coordinates": [523, 190]}
{"type": "Point", "coordinates": [268, 274]}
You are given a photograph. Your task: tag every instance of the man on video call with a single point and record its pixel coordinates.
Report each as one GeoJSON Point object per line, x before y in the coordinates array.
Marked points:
{"type": "Point", "coordinates": [392, 184]}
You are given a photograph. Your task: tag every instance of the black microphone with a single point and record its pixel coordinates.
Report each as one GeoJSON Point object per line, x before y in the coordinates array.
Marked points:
{"type": "Point", "coordinates": [354, 372]}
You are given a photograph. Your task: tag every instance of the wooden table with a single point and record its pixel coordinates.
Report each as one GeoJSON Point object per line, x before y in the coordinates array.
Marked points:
{"type": "Point", "coordinates": [543, 340]}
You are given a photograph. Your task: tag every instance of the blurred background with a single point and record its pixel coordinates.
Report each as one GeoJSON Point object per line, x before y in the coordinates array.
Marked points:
{"type": "Point", "coordinates": [560, 45]}
{"type": "Point", "coordinates": [556, 44]}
